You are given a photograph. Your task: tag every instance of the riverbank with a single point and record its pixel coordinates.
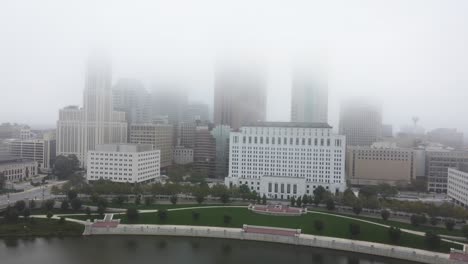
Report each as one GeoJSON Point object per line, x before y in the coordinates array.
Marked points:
{"type": "Point", "coordinates": [354, 246]}
{"type": "Point", "coordinates": [36, 227]}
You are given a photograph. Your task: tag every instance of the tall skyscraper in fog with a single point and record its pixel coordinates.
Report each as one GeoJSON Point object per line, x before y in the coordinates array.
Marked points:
{"type": "Point", "coordinates": [81, 129]}
{"type": "Point", "coordinates": [309, 97]}
{"type": "Point", "coordinates": [169, 101]}
{"type": "Point", "coordinates": [360, 122]}
{"type": "Point", "coordinates": [131, 97]}
{"type": "Point", "coordinates": [239, 95]}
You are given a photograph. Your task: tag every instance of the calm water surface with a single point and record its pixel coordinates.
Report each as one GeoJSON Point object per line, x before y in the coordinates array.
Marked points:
{"type": "Point", "coordinates": [142, 250]}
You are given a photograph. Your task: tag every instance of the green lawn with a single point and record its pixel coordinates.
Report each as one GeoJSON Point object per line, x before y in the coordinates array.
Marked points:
{"type": "Point", "coordinates": [40, 227]}
{"type": "Point", "coordinates": [158, 206]}
{"type": "Point", "coordinates": [334, 226]}
{"type": "Point", "coordinates": [422, 228]}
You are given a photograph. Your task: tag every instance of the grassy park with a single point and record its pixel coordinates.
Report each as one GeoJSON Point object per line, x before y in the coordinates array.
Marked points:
{"type": "Point", "coordinates": [334, 226]}
{"type": "Point", "coordinates": [40, 227]}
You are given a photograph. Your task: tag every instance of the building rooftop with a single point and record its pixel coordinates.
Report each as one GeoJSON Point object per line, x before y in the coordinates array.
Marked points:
{"type": "Point", "coordinates": [124, 147]}
{"type": "Point", "coordinates": [10, 159]}
{"type": "Point", "coordinates": [288, 124]}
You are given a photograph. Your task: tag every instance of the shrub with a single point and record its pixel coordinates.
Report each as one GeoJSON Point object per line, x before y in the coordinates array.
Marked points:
{"type": "Point", "coordinates": [49, 205]}
{"type": "Point", "coordinates": [174, 199]}
{"type": "Point", "coordinates": [20, 205]}
{"type": "Point", "coordinates": [385, 214]}
{"type": "Point", "coordinates": [449, 224]}
{"type": "Point", "coordinates": [227, 219]}
{"type": "Point", "coordinates": [64, 206]}
{"type": "Point", "coordinates": [354, 230]}
{"type": "Point", "coordinates": [433, 221]}
{"type": "Point", "coordinates": [49, 214]}
{"type": "Point", "coordinates": [330, 204]}
{"type": "Point", "coordinates": [394, 234]}
{"type": "Point", "coordinates": [319, 225]}
{"type": "Point", "coordinates": [162, 214]}
{"type": "Point", "coordinates": [76, 204]}
{"type": "Point", "coordinates": [62, 220]}
{"type": "Point", "coordinates": [132, 215]}
{"type": "Point", "coordinates": [195, 216]}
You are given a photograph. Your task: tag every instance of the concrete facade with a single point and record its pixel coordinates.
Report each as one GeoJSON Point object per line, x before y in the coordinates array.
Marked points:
{"type": "Point", "coordinates": [124, 163]}
{"type": "Point", "coordinates": [183, 155]}
{"type": "Point", "coordinates": [457, 184]}
{"type": "Point", "coordinates": [305, 155]}
{"type": "Point", "coordinates": [437, 164]}
{"type": "Point", "coordinates": [14, 169]}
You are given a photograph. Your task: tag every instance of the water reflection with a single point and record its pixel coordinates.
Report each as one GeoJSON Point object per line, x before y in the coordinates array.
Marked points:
{"type": "Point", "coordinates": [11, 242]}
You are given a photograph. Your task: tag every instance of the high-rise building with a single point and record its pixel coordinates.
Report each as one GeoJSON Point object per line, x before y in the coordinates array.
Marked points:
{"type": "Point", "coordinates": [309, 97]}
{"type": "Point", "coordinates": [186, 134]}
{"type": "Point", "coordinates": [82, 129]}
{"type": "Point", "coordinates": [376, 165]}
{"type": "Point", "coordinates": [387, 131]}
{"type": "Point", "coordinates": [360, 122]}
{"type": "Point", "coordinates": [130, 96]}
{"type": "Point", "coordinates": [287, 159]}
{"type": "Point", "coordinates": [160, 136]}
{"type": "Point", "coordinates": [196, 112]}
{"type": "Point", "coordinates": [447, 136]}
{"type": "Point", "coordinates": [437, 164]}
{"type": "Point", "coordinates": [221, 135]}
{"type": "Point", "coordinates": [123, 163]}
{"type": "Point", "coordinates": [239, 96]}
{"type": "Point", "coordinates": [168, 101]}
{"type": "Point", "coordinates": [204, 152]}
{"type": "Point", "coordinates": [15, 131]}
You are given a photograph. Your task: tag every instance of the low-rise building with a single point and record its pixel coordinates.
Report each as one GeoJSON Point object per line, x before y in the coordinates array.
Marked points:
{"type": "Point", "coordinates": [40, 150]}
{"type": "Point", "coordinates": [379, 164]}
{"type": "Point", "coordinates": [438, 161]}
{"type": "Point", "coordinates": [124, 163]}
{"type": "Point", "coordinates": [15, 169]}
{"type": "Point", "coordinates": [457, 184]}
{"type": "Point", "coordinates": [157, 134]}
{"type": "Point", "coordinates": [183, 155]}
{"type": "Point", "coordinates": [287, 159]}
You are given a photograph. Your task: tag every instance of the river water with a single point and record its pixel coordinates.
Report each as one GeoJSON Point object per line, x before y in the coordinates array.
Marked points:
{"type": "Point", "coordinates": [142, 250]}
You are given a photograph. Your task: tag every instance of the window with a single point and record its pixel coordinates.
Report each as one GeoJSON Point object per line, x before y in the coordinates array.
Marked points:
{"type": "Point", "coordinates": [288, 188]}
{"type": "Point", "coordinates": [276, 187]}
{"type": "Point", "coordinates": [269, 187]}
{"type": "Point", "coordinates": [282, 188]}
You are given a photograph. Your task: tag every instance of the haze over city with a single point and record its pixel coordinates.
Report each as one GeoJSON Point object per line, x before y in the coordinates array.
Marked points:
{"type": "Point", "coordinates": [409, 55]}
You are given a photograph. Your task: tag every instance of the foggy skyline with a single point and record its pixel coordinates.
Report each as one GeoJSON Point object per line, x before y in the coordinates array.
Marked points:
{"type": "Point", "coordinates": [410, 55]}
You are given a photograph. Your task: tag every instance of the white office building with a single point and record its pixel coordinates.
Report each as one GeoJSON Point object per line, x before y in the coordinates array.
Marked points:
{"type": "Point", "coordinates": [124, 163]}
{"type": "Point", "coordinates": [287, 159]}
{"type": "Point", "coordinates": [82, 129]}
{"type": "Point", "coordinates": [457, 184]}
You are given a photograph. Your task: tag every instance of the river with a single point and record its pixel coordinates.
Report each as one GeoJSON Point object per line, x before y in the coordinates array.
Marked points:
{"type": "Point", "coordinates": [168, 250]}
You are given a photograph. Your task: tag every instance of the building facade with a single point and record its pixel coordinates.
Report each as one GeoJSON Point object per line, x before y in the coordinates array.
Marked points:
{"type": "Point", "coordinates": [457, 184]}
{"type": "Point", "coordinates": [123, 163]}
{"type": "Point", "coordinates": [239, 95]}
{"type": "Point", "coordinates": [183, 155]}
{"type": "Point", "coordinates": [40, 150]}
{"type": "Point", "coordinates": [309, 97]}
{"type": "Point", "coordinates": [287, 159]}
{"type": "Point", "coordinates": [186, 134]}
{"type": "Point", "coordinates": [82, 129]}
{"type": "Point", "coordinates": [449, 137]}
{"type": "Point", "coordinates": [160, 136]}
{"type": "Point", "coordinates": [196, 112]}
{"type": "Point", "coordinates": [15, 170]}
{"type": "Point", "coordinates": [204, 152]}
{"type": "Point", "coordinates": [437, 164]}
{"type": "Point", "coordinates": [360, 122]}
{"type": "Point", "coordinates": [373, 166]}
{"type": "Point", "coordinates": [221, 135]}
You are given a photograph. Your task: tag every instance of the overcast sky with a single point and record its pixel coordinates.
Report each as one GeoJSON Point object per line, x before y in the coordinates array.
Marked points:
{"type": "Point", "coordinates": [411, 55]}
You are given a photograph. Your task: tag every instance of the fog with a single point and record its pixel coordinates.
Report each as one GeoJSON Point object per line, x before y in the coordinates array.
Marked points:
{"type": "Point", "coordinates": [412, 56]}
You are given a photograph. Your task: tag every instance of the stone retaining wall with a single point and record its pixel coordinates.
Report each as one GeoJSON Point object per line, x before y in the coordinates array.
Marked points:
{"type": "Point", "coordinates": [362, 247]}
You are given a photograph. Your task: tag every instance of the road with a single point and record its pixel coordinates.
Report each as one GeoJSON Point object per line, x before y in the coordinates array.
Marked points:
{"type": "Point", "coordinates": [36, 193]}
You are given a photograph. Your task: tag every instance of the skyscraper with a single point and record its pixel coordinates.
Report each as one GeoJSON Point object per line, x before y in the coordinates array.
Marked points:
{"type": "Point", "coordinates": [239, 95]}
{"type": "Point", "coordinates": [81, 129]}
{"type": "Point", "coordinates": [309, 97]}
{"type": "Point", "coordinates": [169, 101]}
{"type": "Point", "coordinates": [360, 122]}
{"type": "Point", "coordinates": [131, 97]}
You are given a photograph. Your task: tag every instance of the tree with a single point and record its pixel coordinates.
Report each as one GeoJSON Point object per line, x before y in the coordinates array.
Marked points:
{"type": "Point", "coordinates": [11, 215]}
{"type": "Point", "coordinates": [132, 215]}
{"type": "Point", "coordinates": [62, 220]}
{"type": "Point", "coordinates": [162, 214]}
{"type": "Point", "coordinates": [20, 205]}
{"type": "Point", "coordinates": [432, 240]}
{"type": "Point", "coordinates": [26, 213]}
{"type": "Point", "coordinates": [330, 204]}
{"type": "Point", "coordinates": [385, 214]}
{"type": "Point", "coordinates": [299, 201]}
{"type": "Point", "coordinates": [244, 191]}
{"type": "Point", "coordinates": [88, 211]}
{"type": "Point", "coordinates": [357, 207]}
{"type": "Point", "coordinates": [227, 219]}
{"type": "Point", "coordinates": [224, 198]}
{"type": "Point", "coordinates": [417, 220]}
{"type": "Point", "coordinates": [319, 193]}
{"type": "Point", "coordinates": [118, 200]}
{"type": "Point", "coordinates": [464, 231]}
{"type": "Point", "coordinates": [138, 200]}
{"type": "Point", "coordinates": [72, 194]}
{"type": "Point", "coordinates": [449, 224]}
{"type": "Point", "coordinates": [394, 234]}
{"type": "Point", "coordinates": [174, 199]}
{"type": "Point", "coordinates": [101, 206]}
{"type": "Point", "coordinates": [319, 225]}
{"type": "Point", "coordinates": [49, 215]}
{"type": "Point", "coordinates": [195, 216]}
{"type": "Point", "coordinates": [433, 221]}
{"type": "Point", "coordinates": [305, 199]}
{"type": "Point", "coordinates": [149, 200]}
{"type": "Point", "coordinates": [264, 199]}
{"type": "Point", "coordinates": [49, 205]}
{"type": "Point", "coordinates": [76, 204]}
{"type": "Point", "coordinates": [293, 201]}
{"type": "Point", "coordinates": [64, 206]}
{"type": "Point", "coordinates": [348, 197]}
{"type": "Point", "coordinates": [65, 166]}
{"type": "Point", "coordinates": [32, 204]}
{"type": "Point", "coordinates": [354, 230]}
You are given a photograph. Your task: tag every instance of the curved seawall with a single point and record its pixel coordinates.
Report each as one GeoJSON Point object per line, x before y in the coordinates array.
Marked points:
{"type": "Point", "coordinates": [362, 247]}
